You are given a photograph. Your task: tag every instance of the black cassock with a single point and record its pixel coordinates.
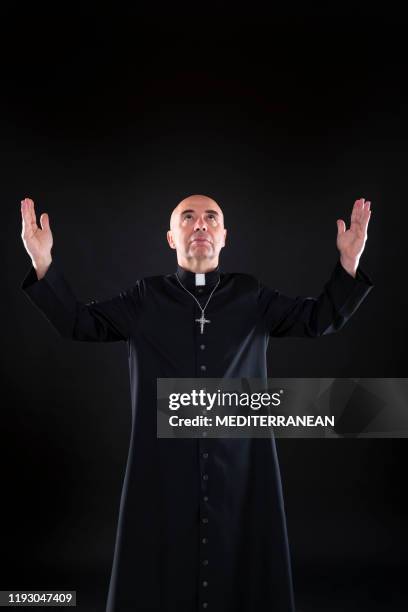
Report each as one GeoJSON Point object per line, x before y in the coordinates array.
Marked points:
{"type": "Point", "coordinates": [187, 543]}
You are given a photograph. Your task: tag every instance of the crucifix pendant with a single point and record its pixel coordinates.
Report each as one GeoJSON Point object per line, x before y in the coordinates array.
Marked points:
{"type": "Point", "coordinates": [202, 321]}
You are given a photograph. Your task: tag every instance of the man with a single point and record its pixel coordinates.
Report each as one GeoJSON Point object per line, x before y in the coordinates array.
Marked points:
{"type": "Point", "coordinates": [201, 521]}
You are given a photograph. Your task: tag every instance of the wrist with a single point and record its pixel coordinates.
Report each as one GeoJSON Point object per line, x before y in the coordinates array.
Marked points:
{"type": "Point", "coordinates": [350, 265]}
{"type": "Point", "coordinates": [41, 266]}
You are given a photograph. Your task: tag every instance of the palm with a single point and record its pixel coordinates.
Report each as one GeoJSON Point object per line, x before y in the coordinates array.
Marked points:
{"type": "Point", "coordinates": [37, 241]}
{"type": "Point", "coordinates": [351, 242]}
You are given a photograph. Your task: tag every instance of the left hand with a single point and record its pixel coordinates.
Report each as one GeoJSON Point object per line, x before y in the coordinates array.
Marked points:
{"type": "Point", "coordinates": [351, 242]}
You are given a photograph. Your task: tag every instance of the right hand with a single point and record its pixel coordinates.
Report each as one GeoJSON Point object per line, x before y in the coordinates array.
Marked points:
{"type": "Point", "coordinates": [38, 242]}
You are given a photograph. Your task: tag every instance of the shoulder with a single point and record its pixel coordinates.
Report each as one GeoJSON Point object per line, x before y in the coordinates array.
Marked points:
{"type": "Point", "coordinates": [149, 284]}
{"type": "Point", "coordinates": [241, 284]}
{"type": "Point", "coordinates": [243, 279]}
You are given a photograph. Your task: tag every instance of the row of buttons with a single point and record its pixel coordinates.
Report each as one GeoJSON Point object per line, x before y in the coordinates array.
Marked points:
{"type": "Point", "coordinates": [202, 367]}
{"type": "Point", "coordinates": [204, 519]}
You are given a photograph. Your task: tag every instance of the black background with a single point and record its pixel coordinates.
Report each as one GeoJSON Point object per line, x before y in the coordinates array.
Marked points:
{"type": "Point", "coordinates": [109, 118]}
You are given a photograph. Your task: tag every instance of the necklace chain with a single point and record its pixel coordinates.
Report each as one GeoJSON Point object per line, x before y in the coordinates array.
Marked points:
{"type": "Point", "coordinates": [202, 320]}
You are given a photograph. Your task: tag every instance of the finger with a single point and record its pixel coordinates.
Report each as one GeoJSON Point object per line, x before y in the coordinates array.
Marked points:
{"type": "Point", "coordinates": [353, 212]}
{"type": "Point", "coordinates": [31, 219]}
{"type": "Point", "coordinates": [32, 213]}
{"type": "Point", "coordinates": [23, 210]}
{"type": "Point", "coordinates": [24, 205]}
{"type": "Point", "coordinates": [341, 227]}
{"type": "Point", "coordinates": [366, 207]}
{"type": "Point", "coordinates": [25, 213]}
{"type": "Point", "coordinates": [360, 226]}
{"type": "Point", "coordinates": [364, 211]}
{"type": "Point", "coordinates": [360, 210]}
{"type": "Point", "coordinates": [45, 222]}
{"type": "Point", "coordinates": [366, 220]}
{"type": "Point", "coordinates": [356, 210]}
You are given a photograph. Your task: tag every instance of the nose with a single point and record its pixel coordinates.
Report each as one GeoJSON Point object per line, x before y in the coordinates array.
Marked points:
{"type": "Point", "coordinates": [200, 224]}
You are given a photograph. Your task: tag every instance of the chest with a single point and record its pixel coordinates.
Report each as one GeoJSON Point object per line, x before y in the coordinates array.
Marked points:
{"type": "Point", "coordinates": [174, 321]}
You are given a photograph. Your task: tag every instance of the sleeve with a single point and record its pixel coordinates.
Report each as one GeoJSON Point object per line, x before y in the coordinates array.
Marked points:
{"type": "Point", "coordinates": [105, 321]}
{"type": "Point", "coordinates": [310, 316]}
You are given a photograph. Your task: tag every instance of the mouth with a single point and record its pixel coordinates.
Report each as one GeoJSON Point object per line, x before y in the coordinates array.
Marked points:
{"type": "Point", "coordinates": [201, 240]}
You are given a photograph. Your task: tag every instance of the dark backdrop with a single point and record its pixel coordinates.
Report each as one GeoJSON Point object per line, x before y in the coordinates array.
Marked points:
{"type": "Point", "coordinates": [108, 120]}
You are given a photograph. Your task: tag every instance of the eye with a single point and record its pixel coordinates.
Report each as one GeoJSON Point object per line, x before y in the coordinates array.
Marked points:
{"type": "Point", "coordinates": [187, 216]}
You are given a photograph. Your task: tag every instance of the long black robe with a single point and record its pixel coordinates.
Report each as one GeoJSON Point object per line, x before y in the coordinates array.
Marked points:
{"type": "Point", "coordinates": [185, 542]}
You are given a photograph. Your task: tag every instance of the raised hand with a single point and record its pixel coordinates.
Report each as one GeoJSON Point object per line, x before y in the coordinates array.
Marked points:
{"type": "Point", "coordinates": [351, 242]}
{"type": "Point", "coordinates": [38, 242]}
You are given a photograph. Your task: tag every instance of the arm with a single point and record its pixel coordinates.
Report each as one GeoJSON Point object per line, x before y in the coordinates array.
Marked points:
{"type": "Point", "coordinates": [105, 321]}
{"type": "Point", "coordinates": [341, 296]}
{"type": "Point", "coordinates": [47, 288]}
{"type": "Point", "coordinates": [312, 317]}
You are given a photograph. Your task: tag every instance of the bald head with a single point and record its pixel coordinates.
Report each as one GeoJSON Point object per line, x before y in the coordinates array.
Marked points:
{"type": "Point", "coordinates": [192, 202]}
{"type": "Point", "coordinates": [197, 233]}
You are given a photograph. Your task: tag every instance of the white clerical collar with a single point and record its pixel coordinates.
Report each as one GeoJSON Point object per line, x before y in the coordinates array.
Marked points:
{"type": "Point", "coordinates": [199, 279]}
{"type": "Point", "coordinates": [193, 279]}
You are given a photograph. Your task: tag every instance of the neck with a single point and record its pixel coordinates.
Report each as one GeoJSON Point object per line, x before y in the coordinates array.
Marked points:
{"type": "Point", "coordinates": [198, 266]}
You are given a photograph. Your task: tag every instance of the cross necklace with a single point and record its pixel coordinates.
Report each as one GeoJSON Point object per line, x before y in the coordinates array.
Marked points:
{"type": "Point", "coordinates": [202, 320]}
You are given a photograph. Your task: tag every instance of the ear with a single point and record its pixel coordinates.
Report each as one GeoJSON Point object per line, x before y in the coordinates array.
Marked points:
{"type": "Point", "coordinates": [225, 235]}
{"type": "Point", "coordinates": [170, 240]}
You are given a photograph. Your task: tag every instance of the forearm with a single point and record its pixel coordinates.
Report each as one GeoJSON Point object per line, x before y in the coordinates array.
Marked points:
{"type": "Point", "coordinates": [105, 321]}
{"type": "Point", "coordinates": [313, 317]}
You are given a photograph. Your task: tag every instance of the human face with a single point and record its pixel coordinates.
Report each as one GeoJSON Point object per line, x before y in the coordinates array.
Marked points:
{"type": "Point", "coordinates": [197, 233]}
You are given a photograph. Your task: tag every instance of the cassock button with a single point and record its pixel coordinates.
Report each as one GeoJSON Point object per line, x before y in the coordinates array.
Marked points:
{"type": "Point", "coordinates": [205, 476]}
{"type": "Point", "coordinates": [205, 562]}
{"type": "Point", "coordinates": [205, 498]}
{"type": "Point", "coordinates": [205, 521]}
{"type": "Point", "coordinates": [203, 368]}
{"type": "Point", "coordinates": [204, 540]}
{"type": "Point", "coordinates": [205, 604]}
{"type": "Point", "coordinates": [205, 583]}
{"type": "Point", "coordinates": [200, 291]}
{"type": "Point", "coordinates": [205, 455]}
{"type": "Point", "coordinates": [202, 346]}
